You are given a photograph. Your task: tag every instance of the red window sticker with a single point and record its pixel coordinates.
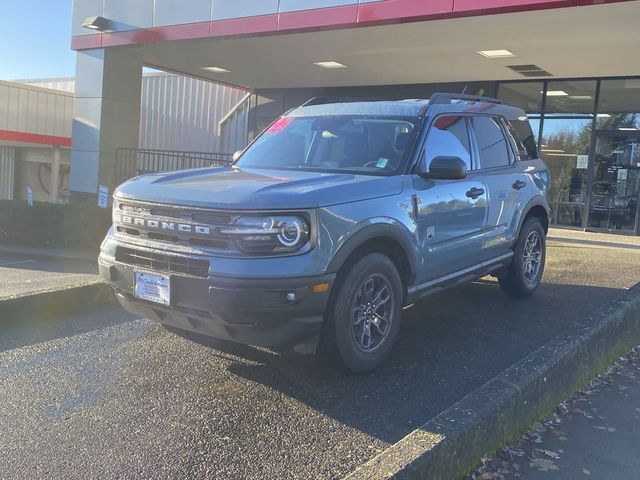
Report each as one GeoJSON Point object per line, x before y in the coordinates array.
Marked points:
{"type": "Point", "coordinates": [279, 125]}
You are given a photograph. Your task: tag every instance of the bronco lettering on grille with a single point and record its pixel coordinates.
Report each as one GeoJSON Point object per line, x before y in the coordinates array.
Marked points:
{"type": "Point", "coordinates": [168, 226]}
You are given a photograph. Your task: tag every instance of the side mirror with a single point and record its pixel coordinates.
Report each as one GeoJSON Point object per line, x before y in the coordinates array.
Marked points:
{"type": "Point", "coordinates": [236, 155]}
{"type": "Point", "coordinates": [444, 168]}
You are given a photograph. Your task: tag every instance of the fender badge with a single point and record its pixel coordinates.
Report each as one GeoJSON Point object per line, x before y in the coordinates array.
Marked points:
{"type": "Point", "coordinates": [431, 232]}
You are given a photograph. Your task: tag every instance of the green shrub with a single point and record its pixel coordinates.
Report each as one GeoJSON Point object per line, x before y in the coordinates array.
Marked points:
{"type": "Point", "coordinates": [77, 226]}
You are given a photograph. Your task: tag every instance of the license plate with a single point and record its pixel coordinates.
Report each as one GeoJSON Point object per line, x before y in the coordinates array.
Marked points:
{"type": "Point", "coordinates": [153, 287]}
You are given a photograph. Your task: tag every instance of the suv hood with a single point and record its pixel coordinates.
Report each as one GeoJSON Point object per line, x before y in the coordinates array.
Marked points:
{"type": "Point", "coordinates": [262, 189]}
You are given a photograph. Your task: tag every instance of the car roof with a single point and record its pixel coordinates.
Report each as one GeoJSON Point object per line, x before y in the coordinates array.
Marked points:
{"type": "Point", "coordinates": [438, 103]}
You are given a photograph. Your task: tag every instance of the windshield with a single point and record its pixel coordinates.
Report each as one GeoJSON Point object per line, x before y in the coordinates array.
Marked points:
{"type": "Point", "coordinates": [365, 145]}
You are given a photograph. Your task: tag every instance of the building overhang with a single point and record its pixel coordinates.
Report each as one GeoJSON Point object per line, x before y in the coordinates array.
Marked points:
{"type": "Point", "coordinates": [395, 42]}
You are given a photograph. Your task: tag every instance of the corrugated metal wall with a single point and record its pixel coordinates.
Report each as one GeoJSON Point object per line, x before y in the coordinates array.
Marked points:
{"type": "Point", "coordinates": [182, 113]}
{"type": "Point", "coordinates": [7, 172]}
{"type": "Point", "coordinates": [234, 127]}
{"type": "Point", "coordinates": [64, 84]}
{"type": "Point", "coordinates": [178, 113]}
{"type": "Point", "coordinates": [30, 109]}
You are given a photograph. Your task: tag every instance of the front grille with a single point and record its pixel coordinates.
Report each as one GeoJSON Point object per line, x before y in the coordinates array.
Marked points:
{"type": "Point", "coordinates": [162, 262]}
{"type": "Point", "coordinates": [138, 215]}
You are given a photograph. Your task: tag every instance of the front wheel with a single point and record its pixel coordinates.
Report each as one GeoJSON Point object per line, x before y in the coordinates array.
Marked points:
{"type": "Point", "coordinates": [525, 272]}
{"type": "Point", "coordinates": [362, 323]}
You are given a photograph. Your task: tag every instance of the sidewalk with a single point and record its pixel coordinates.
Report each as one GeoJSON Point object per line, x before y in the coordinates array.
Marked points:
{"type": "Point", "coordinates": [596, 434]}
{"type": "Point", "coordinates": [594, 238]}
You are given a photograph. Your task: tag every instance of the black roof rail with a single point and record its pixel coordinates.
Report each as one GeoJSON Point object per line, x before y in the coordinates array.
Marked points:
{"type": "Point", "coordinates": [445, 98]}
{"type": "Point", "coordinates": [325, 100]}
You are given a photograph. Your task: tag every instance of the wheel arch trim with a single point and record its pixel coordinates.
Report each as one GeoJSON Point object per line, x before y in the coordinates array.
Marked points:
{"type": "Point", "coordinates": [382, 228]}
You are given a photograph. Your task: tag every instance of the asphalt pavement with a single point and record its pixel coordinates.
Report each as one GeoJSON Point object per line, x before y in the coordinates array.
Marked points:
{"type": "Point", "coordinates": [105, 394]}
{"type": "Point", "coordinates": [22, 274]}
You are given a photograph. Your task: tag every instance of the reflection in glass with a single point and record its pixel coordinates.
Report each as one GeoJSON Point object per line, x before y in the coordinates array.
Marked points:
{"type": "Point", "coordinates": [526, 95]}
{"type": "Point", "coordinates": [619, 105]}
{"type": "Point", "coordinates": [570, 98]}
{"type": "Point", "coordinates": [614, 196]}
{"type": "Point", "coordinates": [565, 148]}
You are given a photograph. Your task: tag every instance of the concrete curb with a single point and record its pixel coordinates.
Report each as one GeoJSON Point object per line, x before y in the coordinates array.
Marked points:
{"type": "Point", "coordinates": [450, 445]}
{"type": "Point", "coordinates": [57, 302]}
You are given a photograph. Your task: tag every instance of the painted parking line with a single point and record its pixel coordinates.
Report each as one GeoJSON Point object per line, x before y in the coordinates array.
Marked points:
{"type": "Point", "coordinates": [11, 264]}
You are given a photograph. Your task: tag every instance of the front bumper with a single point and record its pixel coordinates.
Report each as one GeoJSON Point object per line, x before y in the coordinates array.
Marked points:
{"type": "Point", "coordinates": [253, 311]}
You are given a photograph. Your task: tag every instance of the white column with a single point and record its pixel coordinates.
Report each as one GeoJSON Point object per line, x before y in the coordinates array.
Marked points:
{"type": "Point", "coordinates": [106, 114]}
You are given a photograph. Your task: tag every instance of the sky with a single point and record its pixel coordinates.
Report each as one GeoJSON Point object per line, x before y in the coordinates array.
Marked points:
{"type": "Point", "coordinates": [34, 39]}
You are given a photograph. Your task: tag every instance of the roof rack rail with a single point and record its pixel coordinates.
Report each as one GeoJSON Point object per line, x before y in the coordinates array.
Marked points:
{"type": "Point", "coordinates": [325, 100]}
{"type": "Point", "coordinates": [445, 98]}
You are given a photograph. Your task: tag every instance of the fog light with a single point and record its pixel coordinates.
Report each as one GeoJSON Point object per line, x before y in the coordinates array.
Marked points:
{"type": "Point", "coordinates": [320, 287]}
{"type": "Point", "coordinates": [291, 297]}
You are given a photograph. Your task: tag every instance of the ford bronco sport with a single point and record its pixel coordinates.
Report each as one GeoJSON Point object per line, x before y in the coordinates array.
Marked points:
{"type": "Point", "coordinates": [337, 216]}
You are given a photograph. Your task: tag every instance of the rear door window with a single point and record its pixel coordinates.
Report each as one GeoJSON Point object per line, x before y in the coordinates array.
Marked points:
{"type": "Point", "coordinates": [522, 136]}
{"type": "Point", "coordinates": [493, 149]}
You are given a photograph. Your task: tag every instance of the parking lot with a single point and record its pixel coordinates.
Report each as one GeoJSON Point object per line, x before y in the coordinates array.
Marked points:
{"type": "Point", "coordinates": [21, 274]}
{"type": "Point", "coordinates": [105, 394]}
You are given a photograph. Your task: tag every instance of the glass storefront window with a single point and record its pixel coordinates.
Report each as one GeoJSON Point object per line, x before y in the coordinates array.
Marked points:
{"type": "Point", "coordinates": [526, 95]}
{"type": "Point", "coordinates": [619, 105]}
{"type": "Point", "coordinates": [570, 98]}
{"type": "Point", "coordinates": [566, 118]}
{"type": "Point", "coordinates": [565, 149]}
{"type": "Point", "coordinates": [614, 191]}
{"type": "Point", "coordinates": [566, 140]}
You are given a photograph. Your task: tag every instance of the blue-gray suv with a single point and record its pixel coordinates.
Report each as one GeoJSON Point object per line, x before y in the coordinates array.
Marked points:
{"type": "Point", "coordinates": [338, 215]}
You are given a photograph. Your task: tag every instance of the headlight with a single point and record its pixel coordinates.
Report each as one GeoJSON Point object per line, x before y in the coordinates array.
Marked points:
{"type": "Point", "coordinates": [273, 234]}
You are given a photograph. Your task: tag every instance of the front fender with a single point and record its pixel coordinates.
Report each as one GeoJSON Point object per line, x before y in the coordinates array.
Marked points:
{"type": "Point", "coordinates": [382, 227]}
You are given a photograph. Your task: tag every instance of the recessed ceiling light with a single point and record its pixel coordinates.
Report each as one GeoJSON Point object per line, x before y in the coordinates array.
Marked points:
{"type": "Point", "coordinates": [216, 69]}
{"type": "Point", "coordinates": [496, 53]}
{"type": "Point", "coordinates": [556, 93]}
{"type": "Point", "coordinates": [330, 64]}
{"type": "Point", "coordinates": [581, 97]}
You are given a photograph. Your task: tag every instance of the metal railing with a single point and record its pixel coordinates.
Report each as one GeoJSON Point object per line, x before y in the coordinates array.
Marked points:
{"type": "Point", "coordinates": [131, 162]}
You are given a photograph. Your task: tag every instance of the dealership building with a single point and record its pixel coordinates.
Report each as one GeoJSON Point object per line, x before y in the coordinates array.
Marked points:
{"type": "Point", "coordinates": [570, 64]}
{"type": "Point", "coordinates": [181, 120]}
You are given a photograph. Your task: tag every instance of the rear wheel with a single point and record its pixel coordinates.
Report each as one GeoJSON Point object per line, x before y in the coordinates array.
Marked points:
{"type": "Point", "coordinates": [525, 272]}
{"type": "Point", "coordinates": [362, 322]}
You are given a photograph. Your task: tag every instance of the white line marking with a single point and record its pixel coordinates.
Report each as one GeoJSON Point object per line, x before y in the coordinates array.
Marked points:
{"type": "Point", "coordinates": [15, 263]}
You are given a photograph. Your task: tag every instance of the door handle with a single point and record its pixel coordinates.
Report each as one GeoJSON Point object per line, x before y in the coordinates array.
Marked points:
{"type": "Point", "coordinates": [475, 192]}
{"type": "Point", "coordinates": [518, 185]}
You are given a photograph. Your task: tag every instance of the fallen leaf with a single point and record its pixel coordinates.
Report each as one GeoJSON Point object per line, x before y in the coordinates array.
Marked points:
{"type": "Point", "coordinates": [551, 454]}
{"type": "Point", "coordinates": [486, 476]}
{"type": "Point", "coordinates": [543, 465]}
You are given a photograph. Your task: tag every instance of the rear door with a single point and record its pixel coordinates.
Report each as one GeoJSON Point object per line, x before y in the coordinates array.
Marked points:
{"type": "Point", "coordinates": [508, 188]}
{"type": "Point", "coordinates": [451, 214]}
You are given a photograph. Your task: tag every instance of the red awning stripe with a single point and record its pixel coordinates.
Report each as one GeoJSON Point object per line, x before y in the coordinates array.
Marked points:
{"type": "Point", "coordinates": [36, 138]}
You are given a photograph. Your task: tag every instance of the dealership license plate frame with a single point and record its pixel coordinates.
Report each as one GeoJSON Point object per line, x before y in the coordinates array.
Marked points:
{"type": "Point", "coordinates": [158, 287]}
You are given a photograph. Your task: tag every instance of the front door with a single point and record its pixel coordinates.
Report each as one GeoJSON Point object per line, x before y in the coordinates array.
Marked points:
{"type": "Point", "coordinates": [616, 174]}
{"type": "Point", "coordinates": [451, 214]}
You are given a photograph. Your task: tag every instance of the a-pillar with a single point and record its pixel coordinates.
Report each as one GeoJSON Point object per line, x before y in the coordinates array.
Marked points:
{"type": "Point", "coordinates": [106, 116]}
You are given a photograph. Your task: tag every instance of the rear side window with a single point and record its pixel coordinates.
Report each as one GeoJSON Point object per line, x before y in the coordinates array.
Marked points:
{"type": "Point", "coordinates": [449, 137]}
{"type": "Point", "coordinates": [522, 136]}
{"type": "Point", "coordinates": [492, 145]}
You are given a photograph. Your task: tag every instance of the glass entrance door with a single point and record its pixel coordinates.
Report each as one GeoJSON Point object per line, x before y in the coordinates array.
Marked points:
{"type": "Point", "coordinates": [614, 189]}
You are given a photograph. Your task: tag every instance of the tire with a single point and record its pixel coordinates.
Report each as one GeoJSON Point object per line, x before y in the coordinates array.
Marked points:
{"type": "Point", "coordinates": [525, 272]}
{"type": "Point", "coordinates": [357, 335]}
